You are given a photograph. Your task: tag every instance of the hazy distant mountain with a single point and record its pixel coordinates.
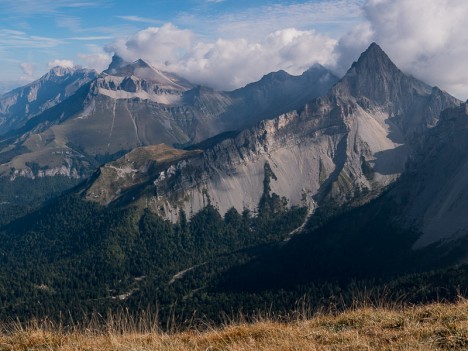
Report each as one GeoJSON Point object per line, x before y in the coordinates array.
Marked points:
{"type": "Point", "coordinates": [135, 104]}
{"type": "Point", "coordinates": [22, 104]}
{"type": "Point", "coordinates": [353, 141]}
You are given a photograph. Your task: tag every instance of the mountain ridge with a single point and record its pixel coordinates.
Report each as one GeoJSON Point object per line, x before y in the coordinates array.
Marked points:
{"type": "Point", "coordinates": [23, 103]}
{"type": "Point", "coordinates": [116, 113]}
{"type": "Point", "coordinates": [339, 145]}
{"type": "Point", "coordinates": [322, 201]}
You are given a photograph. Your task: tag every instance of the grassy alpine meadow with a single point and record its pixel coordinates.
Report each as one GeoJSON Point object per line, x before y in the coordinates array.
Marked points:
{"type": "Point", "coordinates": [436, 326]}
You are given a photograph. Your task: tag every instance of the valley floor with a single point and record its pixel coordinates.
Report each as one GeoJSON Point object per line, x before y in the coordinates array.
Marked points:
{"type": "Point", "coordinates": [429, 327]}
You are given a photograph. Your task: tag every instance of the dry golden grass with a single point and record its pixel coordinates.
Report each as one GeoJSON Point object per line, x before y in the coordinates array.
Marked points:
{"type": "Point", "coordinates": [430, 327]}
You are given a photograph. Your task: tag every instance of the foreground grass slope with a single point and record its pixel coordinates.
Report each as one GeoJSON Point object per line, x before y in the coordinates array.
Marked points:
{"type": "Point", "coordinates": [429, 327]}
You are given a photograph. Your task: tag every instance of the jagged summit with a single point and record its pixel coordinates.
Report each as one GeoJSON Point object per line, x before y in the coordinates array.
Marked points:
{"type": "Point", "coordinates": [59, 71]}
{"type": "Point", "coordinates": [115, 64]}
{"type": "Point", "coordinates": [376, 77]}
{"type": "Point", "coordinates": [374, 81]}
{"type": "Point", "coordinates": [374, 59]}
{"type": "Point", "coordinates": [140, 63]}
{"type": "Point", "coordinates": [145, 71]}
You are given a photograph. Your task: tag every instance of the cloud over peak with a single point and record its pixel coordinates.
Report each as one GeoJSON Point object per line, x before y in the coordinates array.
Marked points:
{"type": "Point", "coordinates": [225, 63]}
{"type": "Point", "coordinates": [426, 39]}
{"type": "Point", "coordinates": [61, 63]}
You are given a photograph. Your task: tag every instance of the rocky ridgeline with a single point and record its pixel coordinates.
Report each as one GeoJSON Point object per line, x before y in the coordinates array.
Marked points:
{"type": "Point", "coordinates": [352, 141]}
{"type": "Point", "coordinates": [132, 105]}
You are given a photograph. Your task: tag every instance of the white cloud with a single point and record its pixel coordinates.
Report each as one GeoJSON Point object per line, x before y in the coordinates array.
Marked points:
{"type": "Point", "coordinates": [159, 44]}
{"type": "Point", "coordinates": [91, 38]}
{"type": "Point", "coordinates": [68, 22]}
{"type": "Point", "coordinates": [29, 70]}
{"type": "Point", "coordinates": [332, 17]}
{"type": "Point", "coordinates": [96, 58]}
{"type": "Point", "coordinates": [229, 64]}
{"type": "Point", "coordinates": [427, 39]}
{"type": "Point", "coordinates": [35, 7]}
{"type": "Point", "coordinates": [17, 39]}
{"type": "Point", "coordinates": [226, 64]}
{"type": "Point", "coordinates": [61, 63]}
{"type": "Point", "coordinates": [139, 19]}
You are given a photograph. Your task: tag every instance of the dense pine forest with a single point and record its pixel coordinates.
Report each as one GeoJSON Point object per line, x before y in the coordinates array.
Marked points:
{"type": "Point", "coordinates": [73, 258]}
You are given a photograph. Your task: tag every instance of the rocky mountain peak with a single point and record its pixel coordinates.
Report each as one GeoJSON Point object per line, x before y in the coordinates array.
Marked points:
{"type": "Point", "coordinates": [23, 103]}
{"type": "Point", "coordinates": [60, 71]}
{"type": "Point", "coordinates": [374, 60]}
{"type": "Point", "coordinates": [146, 72]}
{"type": "Point", "coordinates": [115, 64]}
{"type": "Point", "coordinates": [140, 63]}
{"type": "Point", "coordinates": [280, 75]}
{"type": "Point", "coordinates": [374, 78]}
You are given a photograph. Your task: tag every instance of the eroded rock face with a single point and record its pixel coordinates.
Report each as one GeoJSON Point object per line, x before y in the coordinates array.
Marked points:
{"type": "Point", "coordinates": [315, 157]}
{"type": "Point", "coordinates": [352, 141]}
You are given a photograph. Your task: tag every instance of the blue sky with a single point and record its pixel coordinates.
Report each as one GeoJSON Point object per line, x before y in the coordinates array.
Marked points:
{"type": "Point", "coordinates": [35, 33]}
{"type": "Point", "coordinates": [228, 43]}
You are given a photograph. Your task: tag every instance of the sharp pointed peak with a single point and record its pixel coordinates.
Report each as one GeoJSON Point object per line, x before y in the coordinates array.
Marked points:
{"type": "Point", "coordinates": [374, 57]}
{"type": "Point", "coordinates": [377, 78]}
{"type": "Point", "coordinates": [375, 50]}
{"type": "Point", "coordinates": [374, 46]}
{"type": "Point", "coordinates": [141, 63]}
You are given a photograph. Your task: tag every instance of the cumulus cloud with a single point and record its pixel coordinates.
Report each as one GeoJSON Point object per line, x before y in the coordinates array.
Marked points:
{"type": "Point", "coordinates": [61, 63]}
{"type": "Point", "coordinates": [425, 39]}
{"type": "Point", "coordinates": [428, 40]}
{"type": "Point", "coordinates": [163, 44]}
{"type": "Point", "coordinates": [96, 58]}
{"type": "Point", "coordinates": [28, 70]}
{"type": "Point", "coordinates": [226, 64]}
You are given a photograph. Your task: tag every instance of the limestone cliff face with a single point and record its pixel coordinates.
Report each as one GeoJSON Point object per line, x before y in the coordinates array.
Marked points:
{"type": "Point", "coordinates": [330, 151]}
{"type": "Point", "coordinates": [350, 142]}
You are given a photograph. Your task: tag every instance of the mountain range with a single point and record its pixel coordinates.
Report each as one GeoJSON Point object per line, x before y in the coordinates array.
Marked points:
{"type": "Point", "coordinates": [356, 139]}
{"type": "Point", "coordinates": [70, 120]}
{"type": "Point", "coordinates": [190, 194]}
